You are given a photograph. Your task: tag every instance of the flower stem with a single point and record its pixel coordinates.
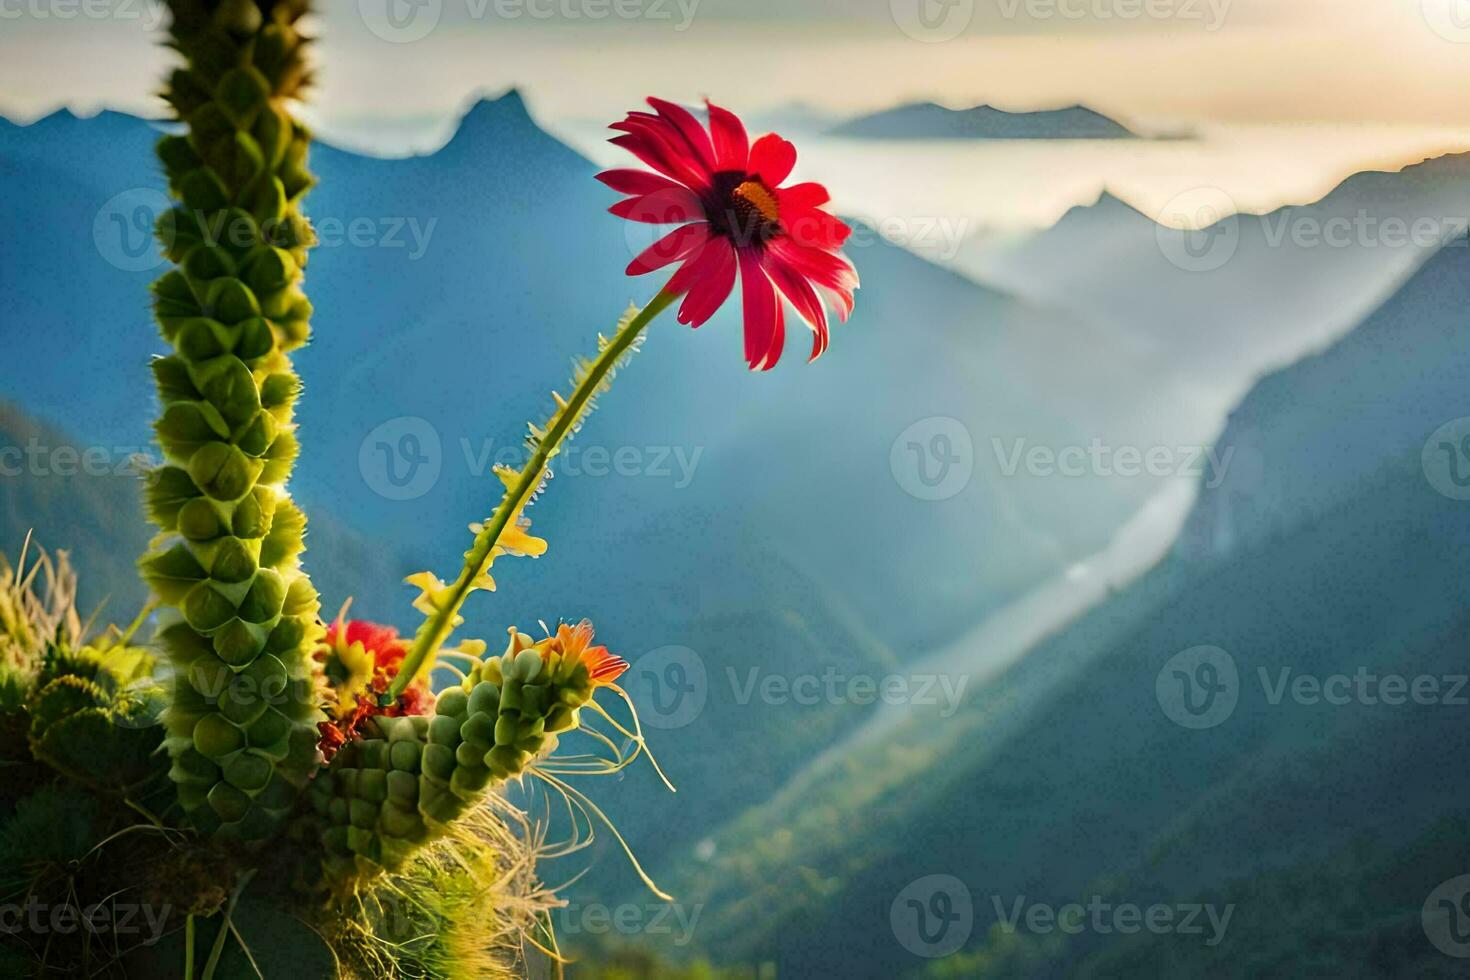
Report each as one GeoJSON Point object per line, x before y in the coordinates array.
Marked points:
{"type": "Point", "coordinates": [439, 625]}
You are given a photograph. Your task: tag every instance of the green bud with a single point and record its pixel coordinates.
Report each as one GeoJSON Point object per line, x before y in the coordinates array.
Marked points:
{"type": "Point", "coordinates": [478, 728]}
{"type": "Point", "coordinates": [439, 762]}
{"type": "Point", "coordinates": [270, 730]}
{"type": "Point", "coordinates": [230, 388]}
{"type": "Point", "coordinates": [222, 471]}
{"type": "Point", "coordinates": [452, 702]}
{"type": "Point", "coordinates": [242, 92]}
{"type": "Point", "coordinates": [233, 561]}
{"type": "Point", "coordinates": [231, 301]}
{"type": "Point", "coordinates": [238, 643]}
{"type": "Point", "coordinates": [263, 602]}
{"type": "Point", "coordinates": [215, 737]}
{"type": "Point", "coordinates": [199, 520]}
{"type": "Point", "coordinates": [405, 756]}
{"type": "Point", "coordinates": [248, 772]}
{"type": "Point", "coordinates": [228, 802]}
{"type": "Point", "coordinates": [206, 610]}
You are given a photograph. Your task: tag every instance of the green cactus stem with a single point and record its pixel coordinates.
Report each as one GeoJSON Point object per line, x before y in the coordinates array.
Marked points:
{"type": "Point", "coordinates": [405, 780]}
{"type": "Point", "coordinates": [240, 617]}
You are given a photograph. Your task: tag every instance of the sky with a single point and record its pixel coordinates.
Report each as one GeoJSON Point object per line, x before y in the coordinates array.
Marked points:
{"type": "Point", "coordinates": [1240, 61]}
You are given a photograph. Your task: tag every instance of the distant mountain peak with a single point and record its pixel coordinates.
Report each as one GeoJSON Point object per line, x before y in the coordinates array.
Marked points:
{"type": "Point", "coordinates": [63, 116]}
{"type": "Point", "coordinates": [494, 118]}
{"type": "Point", "coordinates": [66, 116]}
{"type": "Point", "coordinates": [1110, 203]}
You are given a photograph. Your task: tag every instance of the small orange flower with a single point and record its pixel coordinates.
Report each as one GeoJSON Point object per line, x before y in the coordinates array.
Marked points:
{"type": "Point", "coordinates": [569, 646]}
{"type": "Point", "coordinates": [574, 643]}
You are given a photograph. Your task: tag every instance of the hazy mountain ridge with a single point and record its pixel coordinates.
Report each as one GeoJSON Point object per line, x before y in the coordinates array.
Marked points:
{"type": "Point", "coordinates": [502, 196]}
{"type": "Point", "coordinates": [87, 499]}
{"type": "Point", "coordinates": [793, 504]}
{"type": "Point", "coordinates": [1069, 760]}
{"type": "Point", "coordinates": [928, 120]}
{"type": "Point", "coordinates": [1246, 293]}
{"type": "Point", "coordinates": [479, 272]}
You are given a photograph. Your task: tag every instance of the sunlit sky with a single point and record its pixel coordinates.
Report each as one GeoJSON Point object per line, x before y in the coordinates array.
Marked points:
{"type": "Point", "coordinates": [1401, 61]}
{"type": "Point", "coordinates": [1289, 96]}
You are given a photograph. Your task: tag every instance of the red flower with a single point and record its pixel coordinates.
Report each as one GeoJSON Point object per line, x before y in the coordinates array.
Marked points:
{"type": "Point", "coordinates": [381, 641]}
{"type": "Point", "coordinates": [726, 195]}
{"type": "Point", "coordinates": [358, 661]}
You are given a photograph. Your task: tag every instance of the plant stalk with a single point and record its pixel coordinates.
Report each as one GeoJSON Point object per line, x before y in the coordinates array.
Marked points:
{"type": "Point", "coordinates": [436, 631]}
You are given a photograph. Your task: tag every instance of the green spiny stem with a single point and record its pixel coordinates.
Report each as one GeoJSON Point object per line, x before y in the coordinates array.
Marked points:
{"type": "Point", "coordinates": [404, 781]}
{"type": "Point", "coordinates": [436, 629]}
{"type": "Point", "coordinates": [240, 618]}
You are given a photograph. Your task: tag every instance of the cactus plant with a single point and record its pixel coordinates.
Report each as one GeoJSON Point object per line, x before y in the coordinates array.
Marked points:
{"type": "Point", "coordinates": [250, 722]}
{"type": "Point", "coordinates": [227, 565]}
{"type": "Point", "coordinates": [400, 781]}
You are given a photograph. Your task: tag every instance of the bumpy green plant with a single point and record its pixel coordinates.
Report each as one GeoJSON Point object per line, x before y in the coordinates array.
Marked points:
{"type": "Point", "coordinates": [227, 564]}
{"type": "Point", "coordinates": [404, 780]}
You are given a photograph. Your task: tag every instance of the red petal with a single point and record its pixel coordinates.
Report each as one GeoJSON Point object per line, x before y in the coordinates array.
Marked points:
{"type": "Point", "coordinates": [771, 159]}
{"type": "Point", "coordinates": [670, 248]}
{"type": "Point", "coordinates": [839, 301]}
{"type": "Point", "coordinates": [659, 156]}
{"type": "Point", "coordinates": [709, 277]}
{"type": "Point", "coordinates": [635, 181]}
{"type": "Point", "coordinates": [802, 296]}
{"type": "Point", "coordinates": [694, 266]}
{"type": "Point", "coordinates": [799, 197]}
{"type": "Point", "coordinates": [732, 146]}
{"type": "Point", "coordinates": [671, 206]}
{"type": "Point", "coordinates": [820, 339]}
{"type": "Point", "coordinates": [765, 329]}
{"type": "Point", "coordinates": [821, 267]}
{"type": "Point", "coordinates": [689, 128]}
{"type": "Point", "coordinates": [372, 636]}
{"type": "Point", "coordinates": [778, 339]}
{"type": "Point", "coordinates": [685, 162]}
{"type": "Point", "coordinates": [814, 228]}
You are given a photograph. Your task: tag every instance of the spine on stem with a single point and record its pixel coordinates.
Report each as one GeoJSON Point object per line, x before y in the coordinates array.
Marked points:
{"type": "Point", "coordinates": [506, 530]}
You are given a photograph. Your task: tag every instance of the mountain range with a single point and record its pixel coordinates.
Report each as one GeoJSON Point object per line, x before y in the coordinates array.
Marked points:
{"type": "Point", "coordinates": [472, 278]}
{"type": "Point", "coordinates": [786, 525]}
{"type": "Point", "coordinates": [1327, 823]}
{"type": "Point", "coordinates": [1236, 295]}
{"type": "Point", "coordinates": [928, 120]}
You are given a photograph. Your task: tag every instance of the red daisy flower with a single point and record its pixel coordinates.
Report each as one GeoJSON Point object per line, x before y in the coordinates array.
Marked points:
{"type": "Point", "coordinates": [726, 195]}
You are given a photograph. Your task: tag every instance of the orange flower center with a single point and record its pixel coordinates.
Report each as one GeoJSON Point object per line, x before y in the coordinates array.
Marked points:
{"type": "Point", "coordinates": [752, 195]}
